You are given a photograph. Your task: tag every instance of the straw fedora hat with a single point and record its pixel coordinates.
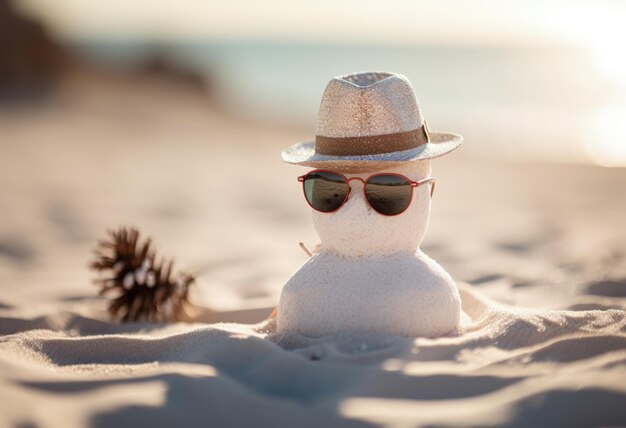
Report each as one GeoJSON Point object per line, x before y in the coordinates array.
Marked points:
{"type": "Point", "coordinates": [370, 121]}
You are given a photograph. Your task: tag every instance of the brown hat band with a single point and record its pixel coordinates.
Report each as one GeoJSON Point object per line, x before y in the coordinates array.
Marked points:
{"type": "Point", "coordinates": [371, 144]}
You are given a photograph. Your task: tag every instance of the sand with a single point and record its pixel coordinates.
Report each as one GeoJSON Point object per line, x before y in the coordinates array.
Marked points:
{"type": "Point", "coordinates": [538, 251]}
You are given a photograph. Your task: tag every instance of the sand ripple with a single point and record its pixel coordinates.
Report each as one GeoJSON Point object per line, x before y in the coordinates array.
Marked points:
{"type": "Point", "coordinates": [505, 366]}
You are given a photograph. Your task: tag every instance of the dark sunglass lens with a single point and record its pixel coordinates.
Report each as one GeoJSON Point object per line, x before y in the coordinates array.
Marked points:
{"type": "Point", "coordinates": [388, 194]}
{"type": "Point", "coordinates": [325, 191]}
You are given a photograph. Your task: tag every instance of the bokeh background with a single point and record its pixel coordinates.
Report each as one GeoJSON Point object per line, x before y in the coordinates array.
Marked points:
{"type": "Point", "coordinates": [171, 116]}
{"type": "Point", "coordinates": [545, 80]}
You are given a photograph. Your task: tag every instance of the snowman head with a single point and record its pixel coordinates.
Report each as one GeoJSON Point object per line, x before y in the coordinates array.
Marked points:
{"type": "Point", "coordinates": [365, 120]}
{"type": "Point", "coordinates": [356, 230]}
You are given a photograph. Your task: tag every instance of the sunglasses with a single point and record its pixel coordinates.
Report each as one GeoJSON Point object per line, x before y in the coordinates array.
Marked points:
{"type": "Point", "coordinates": [387, 193]}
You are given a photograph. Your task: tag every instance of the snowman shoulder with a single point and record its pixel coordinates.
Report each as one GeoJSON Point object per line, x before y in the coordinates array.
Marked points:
{"type": "Point", "coordinates": [306, 273]}
{"type": "Point", "coordinates": [427, 268]}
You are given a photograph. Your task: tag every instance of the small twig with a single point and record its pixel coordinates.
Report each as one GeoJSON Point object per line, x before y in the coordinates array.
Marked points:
{"type": "Point", "coordinates": [305, 249]}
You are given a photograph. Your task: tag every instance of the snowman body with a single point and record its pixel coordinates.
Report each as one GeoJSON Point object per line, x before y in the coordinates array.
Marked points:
{"type": "Point", "coordinates": [370, 276]}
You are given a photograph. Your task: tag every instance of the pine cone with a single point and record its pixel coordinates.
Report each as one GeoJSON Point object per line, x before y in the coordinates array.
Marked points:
{"type": "Point", "coordinates": [146, 289]}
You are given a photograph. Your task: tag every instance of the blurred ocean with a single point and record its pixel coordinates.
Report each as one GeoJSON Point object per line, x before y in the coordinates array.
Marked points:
{"type": "Point", "coordinates": [542, 103]}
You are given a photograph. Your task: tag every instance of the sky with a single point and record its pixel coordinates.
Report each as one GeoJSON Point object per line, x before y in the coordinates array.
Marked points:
{"type": "Point", "coordinates": [456, 22]}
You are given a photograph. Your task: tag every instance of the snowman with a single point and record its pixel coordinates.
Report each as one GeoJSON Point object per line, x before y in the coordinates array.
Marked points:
{"type": "Point", "coordinates": [370, 191]}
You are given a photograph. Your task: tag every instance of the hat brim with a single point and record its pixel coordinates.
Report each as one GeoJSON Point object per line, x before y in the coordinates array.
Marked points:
{"type": "Point", "coordinates": [304, 154]}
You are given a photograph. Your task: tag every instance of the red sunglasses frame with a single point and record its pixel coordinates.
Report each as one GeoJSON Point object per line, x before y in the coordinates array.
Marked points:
{"type": "Point", "coordinates": [413, 184]}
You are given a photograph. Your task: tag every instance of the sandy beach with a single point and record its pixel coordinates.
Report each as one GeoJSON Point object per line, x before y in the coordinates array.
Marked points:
{"type": "Point", "coordinates": [537, 250]}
